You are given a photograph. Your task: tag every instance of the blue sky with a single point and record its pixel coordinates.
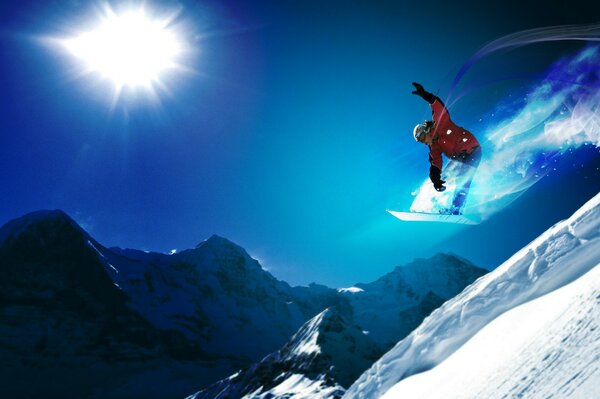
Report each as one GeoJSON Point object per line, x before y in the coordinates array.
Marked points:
{"type": "Point", "coordinates": [291, 136]}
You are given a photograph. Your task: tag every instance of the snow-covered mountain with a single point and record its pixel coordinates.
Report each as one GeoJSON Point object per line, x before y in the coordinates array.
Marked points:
{"type": "Point", "coordinates": [76, 316]}
{"type": "Point", "coordinates": [392, 306]}
{"type": "Point", "coordinates": [216, 294]}
{"type": "Point", "coordinates": [528, 329]}
{"type": "Point", "coordinates": [321, 360]}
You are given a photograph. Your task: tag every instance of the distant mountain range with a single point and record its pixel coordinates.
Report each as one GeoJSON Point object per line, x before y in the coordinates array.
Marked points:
{"type": "Point", "coordinates": [80, 319]}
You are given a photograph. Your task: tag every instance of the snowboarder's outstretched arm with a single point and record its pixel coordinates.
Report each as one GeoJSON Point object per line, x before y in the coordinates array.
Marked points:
{"type": "Point", "coordinates": [438, 109]}
{"type": "Point", "coordinates": [424, 94]}
{"type": "Point", "coordinates": [440, 115]}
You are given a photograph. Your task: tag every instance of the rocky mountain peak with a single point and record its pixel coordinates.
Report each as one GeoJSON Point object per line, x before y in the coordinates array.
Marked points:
{"type": "Point", "coordinates": [225, 252]}
{"type": "Point", "coordinates": [444, 273]}
{"type": "Point", "coordinates": [216, 241]}
{"type": "Point", "coordinates": [47, 221]}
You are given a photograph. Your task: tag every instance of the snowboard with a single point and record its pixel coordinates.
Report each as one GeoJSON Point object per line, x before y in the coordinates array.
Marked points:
{"type": "Point", "coordinates": [433, 217]}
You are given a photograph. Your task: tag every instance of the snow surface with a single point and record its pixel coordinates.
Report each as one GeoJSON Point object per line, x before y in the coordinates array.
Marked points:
{"type": "Point", "coordinates": [296, 386]}
{"type": "Point", "coordinates": [549, 347]}
{"type": "Point", "coordinates": [558, 257]}
{"type": "Point", "coordinates": [306, 339]}
{"type": "Point", "coordinates": [351, 290]}
{"type": "Point", "coordinates": [91, 244]}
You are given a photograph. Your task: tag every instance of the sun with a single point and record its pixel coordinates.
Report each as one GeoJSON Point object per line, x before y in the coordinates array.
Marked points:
{"type": "Point", "coordinates": [130, 49]}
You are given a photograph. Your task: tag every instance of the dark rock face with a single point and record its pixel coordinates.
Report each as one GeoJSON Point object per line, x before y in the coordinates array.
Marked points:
{"type": "Point", "coordinates": [52, 266]}
{"type": "Point", "coordinates": [60, 310]}
{"type": "Point", "coordinates": [48, 262]}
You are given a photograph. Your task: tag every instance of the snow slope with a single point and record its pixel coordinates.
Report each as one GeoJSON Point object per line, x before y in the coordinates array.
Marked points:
{"type": "Point", "coordinates": [549, 347]}
{"type": "Point", "coordinates": [558, 257]}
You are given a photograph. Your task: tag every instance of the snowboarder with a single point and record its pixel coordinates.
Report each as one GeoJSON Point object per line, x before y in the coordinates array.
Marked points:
{"type": "Point", "coordinates": [444, 137]}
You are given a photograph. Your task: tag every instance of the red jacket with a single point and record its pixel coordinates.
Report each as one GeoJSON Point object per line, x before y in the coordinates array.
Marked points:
{"type": "Point", "coordinates": [448, 138]}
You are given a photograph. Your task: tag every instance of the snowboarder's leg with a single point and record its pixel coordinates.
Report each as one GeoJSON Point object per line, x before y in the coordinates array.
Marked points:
{"type": "Point", "coordinates": [468, 170]}
{"type": "Point", "coordinates": [460, 196]}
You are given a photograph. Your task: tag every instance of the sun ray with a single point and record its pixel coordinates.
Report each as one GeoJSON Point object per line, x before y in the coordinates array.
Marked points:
{"type": "Point", "coordinates": [132, 49]}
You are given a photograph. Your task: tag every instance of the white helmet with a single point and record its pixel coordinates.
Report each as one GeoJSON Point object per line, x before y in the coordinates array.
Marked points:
{"type": "Point", "coordinates": [422, 129]}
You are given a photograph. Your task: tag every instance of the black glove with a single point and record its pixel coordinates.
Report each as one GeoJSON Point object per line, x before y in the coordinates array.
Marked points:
{"type": "Point", "coordinates": [419, 89]}
{"type": "Point", "coordinates": [421, 92]}
{"type": "Point", "coordinates": [435, 174]}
